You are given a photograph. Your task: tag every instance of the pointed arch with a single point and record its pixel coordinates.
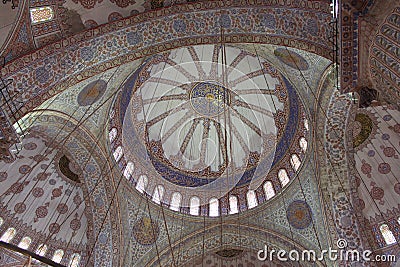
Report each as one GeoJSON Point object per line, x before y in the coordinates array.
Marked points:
{"type": "Point", "coordinates": [283, 177]}
{"type": "Point", "coordinates": [118, 152]}
{"type": "Point", "coordinates": [295, 162]}
{"type": "Point", "coordinates": [130, 167]}
{"type": "Point", "coordinates": [387, 234]}
{"type": "Point", "coordinates": [175, 201]}
{"type": "Point", "coordinates": [269, 190]}
{"type": "Point", "coordinates": [251, 199]}
{"type": "Point", "coordinates": [233, 205]}
{"type": "Point", "coordinates": [8, 235]}
{"type": "Point", "coordinates": [142, 183]}
{"type": "Point", "coordinates": [213, 207]}
{"type": "Point", "coordinates": [25, 242]}
{"type": "Point", "coordinates": [158, 194]}
{"type": "Point", "coordinates": [58, 255]}
{"type": "Point", "coordinates": [194, 206]}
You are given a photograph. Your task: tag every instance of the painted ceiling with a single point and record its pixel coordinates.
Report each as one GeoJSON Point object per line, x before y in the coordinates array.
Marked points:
{"type": "Point", "coordinates": [110, 77]}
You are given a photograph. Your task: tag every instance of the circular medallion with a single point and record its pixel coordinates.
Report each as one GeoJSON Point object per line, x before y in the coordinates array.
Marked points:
{"type": "Point", "coordinates": [75, 224]}
{"type": "Point", "coordinates": [299, 214]}
{"type": "Point", "coordinates": [20, 207]}
{"type": "Point", "coordinates": [209, 99]}
{"type": "Point", "coordinates": [145, 231]}
{"type": "Point", "coordinates": [37, 192]}
{"type": "Point", "coordinates": [92, 92]}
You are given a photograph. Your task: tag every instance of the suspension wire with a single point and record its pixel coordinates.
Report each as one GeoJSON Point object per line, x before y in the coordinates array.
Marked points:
{"type": "Point", "coordinates": [337, 136]}
{"type": "Point", "coordinates": [68, 137]}
{"type": "Point", "coordinates": [315, 98]}
{"type": "Point", "coordinates": [157, 188]}
{"type": "Point", "coordinates": [328, 121]}
{"type": "Point", "coordinates": [69, 185]}
{"type": "Point", "coordinates": [296, 173]}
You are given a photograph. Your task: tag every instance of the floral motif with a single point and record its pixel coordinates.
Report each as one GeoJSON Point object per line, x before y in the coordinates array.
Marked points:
{"type": "Point", "coordinates": [20, 208]}
{"type": "Point", "coordinates": [299, 214]}
{"type": "Point", "coordinates": [384, 168]}
{"type": "Point", "coordinates": [37, 192]}
{"type": "Point", "coordinates": [3, 176]}
{"type": "Point", "coordinates": [145, 231]}
{"type": "Point", "coordinates": [24, 169]}
{"type": "Point", "coordinates": [30, 146]}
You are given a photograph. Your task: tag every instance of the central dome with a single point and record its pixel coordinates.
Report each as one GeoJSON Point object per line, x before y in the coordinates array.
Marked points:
{"type": "Point", "coordinates": [204, 123]}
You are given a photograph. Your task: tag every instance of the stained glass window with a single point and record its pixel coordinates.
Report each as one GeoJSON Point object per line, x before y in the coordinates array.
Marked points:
{"type": "Point", "coordinates": [295, 161]}
{"type": "Point", "coordinates": [130, 167]}
{"type": "Point", "coordinates": [41, 14]}
{"type": "Point", "coordinates": [269, 190]}
{"type": "Point", "coordinates": [233, 205]}
{"type": "Point", "coordinates": [303, 144]}
{"type": "Point", "coordinates": [194, 206]}
{"type": "Point", "coordinates": [112, 134]}
{"type": "Point", "coordinates": [118, 153]}
{"type": "Point", "coordinates": [25, 242]}
{"type": "Point", "coordinates": [8, 235]}
{"type": "Point", "coordinates": [387, 234]}
{"type": "Point", "coordinates": [214, 207]}
{"type": "Point", "coordinates": [251, 199]}
{"type": "Point", "coordinates": [41, 250]}
{"type": "Point", "coordinates": [58, 255]}
{"type": "Point", "coordinates": [142, 183]}
{"type": "Point", "coordinates": [75, 259]}
{"type": "Point", "coordinates": [158, 194]}
{"type": "Point", "coordinates": [175, 201]}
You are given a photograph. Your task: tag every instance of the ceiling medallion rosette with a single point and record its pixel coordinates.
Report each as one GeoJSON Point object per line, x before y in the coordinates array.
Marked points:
{"type": "Point", "coordinates": [203, 122]}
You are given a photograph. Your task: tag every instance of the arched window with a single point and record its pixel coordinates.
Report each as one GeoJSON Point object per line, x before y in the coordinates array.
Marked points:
{"type": "Point", "coordinates": [283, 177]}
{"type": "Point", "coordinates": [129, 170]}
{"type": "Point", "coordinates": [58, 255]}
{"type": "Point", "coordinates": [269, 190]}
{"type": "Point", "coordinates": [112, 134]}
{"type": "Point", "coordinates": [41, 14]}
{"type": "Point", "coordinates": [295, 161]}
{"type": "Point", "coordinates": [194, 206]}
{"type": "Point", "coordinates": [75, 259]}
{"type": "Point", "coordinates": [1, 221]}
{"type": "Point", "coordinates": [303, 144]}
{"type": "Point", "coordinates": [213, 207]}
{"type": "Point", "coordinates": [175, 201]}
{"type": "Point", "coordinates": [25, 242]}
{"type": "Point", "coordinates": [112, 113]}
{"type": "Point", "coordinates": [306, 124]}
{"type": "Point", "coordinates": [251, 199]}
{"type": "Point", "coordinates": [233, 205]}
{"type": "Point", "coordinates": [8, 235]}
{"type": "Point", "coordinates": [41, 250]}
{"type": "Point", "coordinates": [142, 183]}
{"type": "Point", "coordinates": [387, 234]}
{"type": "Point", "coordinates": [158, 194]}
{"type": "Point", "coordinates": [118, 153]}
